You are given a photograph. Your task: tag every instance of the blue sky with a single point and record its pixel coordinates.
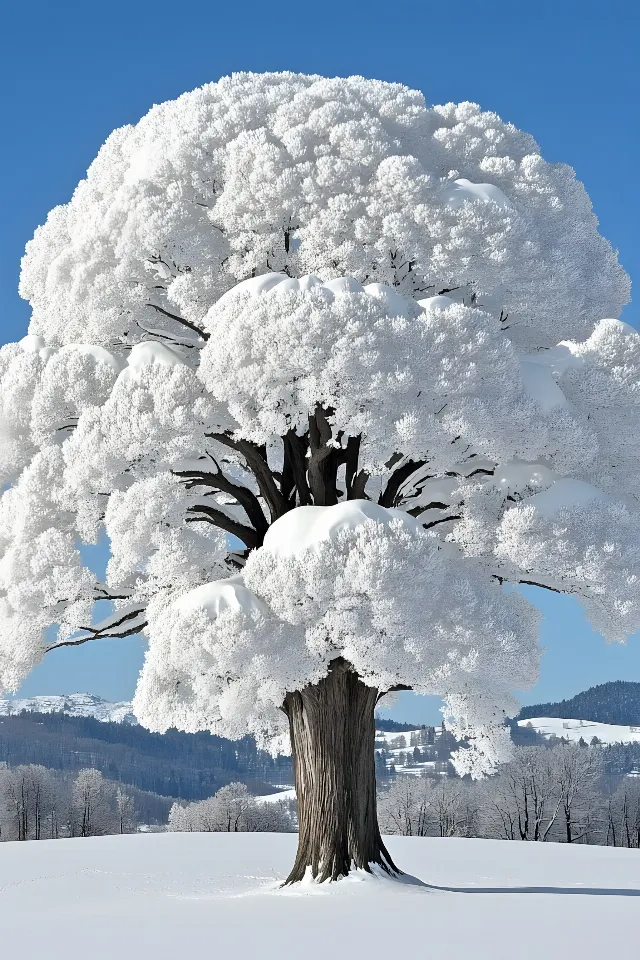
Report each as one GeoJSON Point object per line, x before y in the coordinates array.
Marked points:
{"type": "Point", "coordinates": [565, 71]}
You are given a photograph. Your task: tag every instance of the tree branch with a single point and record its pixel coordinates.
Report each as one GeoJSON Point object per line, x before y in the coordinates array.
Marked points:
{"type": "Point", "coordinates": [294, 472]}
{"type": "Point", "coordinates": [108, 630]}
{"type": "Point", "coordinates": [434, 523]}
{"type": "Point", "coordinates": [322, 467]}
{"type": "Point", "coordinates": [389, 496]}
{"type": "Point", "coordinates": [534, 583]}
{"type": "Point", "coordinates": [356, 480]}
{"type": "Point", "coordinates": [247, 500]}
{"type": "Point", "coordinates": [256, 460]}
{"type": "Point", "coordinates": [185, 323]}
{"type": "Point", "coordinates": [219, 519]}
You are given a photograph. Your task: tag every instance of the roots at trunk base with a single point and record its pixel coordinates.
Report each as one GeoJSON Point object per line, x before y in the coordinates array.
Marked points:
{"type": "Point", "coordinates": [332, 727]}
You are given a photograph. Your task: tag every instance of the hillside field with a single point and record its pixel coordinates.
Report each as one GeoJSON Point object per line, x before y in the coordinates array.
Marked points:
{"type": "Point", "coordinates": [574, 730]}
{"type": "Point", "coordinates": [173, 895]}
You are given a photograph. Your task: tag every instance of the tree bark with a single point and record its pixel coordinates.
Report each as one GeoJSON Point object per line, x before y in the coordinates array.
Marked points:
{"type": "Point", "coordinates": [332, 729]}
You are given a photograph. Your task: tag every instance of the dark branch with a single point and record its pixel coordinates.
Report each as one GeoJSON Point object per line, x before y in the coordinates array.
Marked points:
{"type": "Point", "coordinates": [322, 466]}
{"type": "Point", "coordinates": [530, 583]}
{"type": "Point", "coordinates": [399, 687]}
{"type": "Point", "coordinates": [434, 523]}
{"type": "Point", "coordinates": [389, 496]}
{"type": "Point", "coordinates": [185, 323]}
{"type": "Point", "coordinates": [356, 480]}
{"type": "Point", "coordinates": [111, 630]}
{"type": "Point", "coordinates": [544, 586]}
{"type": "Point", "coordinates": [256, 459]}
{"type": "Point", "coordinates": [206, 514]}
{"type": "Point", "coordinates": [247, 500]}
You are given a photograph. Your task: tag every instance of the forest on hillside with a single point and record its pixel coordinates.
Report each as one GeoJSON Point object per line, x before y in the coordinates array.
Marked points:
{"type": "Point", "coordinates": [616, 702]}
{"type": "Point", "coordinates": [187, 766]}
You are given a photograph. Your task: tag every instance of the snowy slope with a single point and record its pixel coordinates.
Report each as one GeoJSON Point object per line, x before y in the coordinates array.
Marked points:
{"type": "Point", "coordinates": [574, 729]}
{"type": "Point", "coordinates": [287, 795]}
{"type": "Point", "coordinates": [162, 896]}
{"type": "Point", "coordinates": [74, 704]}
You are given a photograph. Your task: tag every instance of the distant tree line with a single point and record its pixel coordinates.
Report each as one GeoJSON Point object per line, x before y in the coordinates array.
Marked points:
{"type": "Point", "coordinates": [560, 793]}
{"type": "Point", "coordinates": [393, 726]}
{"type": "Point", "coordinates": [37, 803]}
{"type": "Point", "coordinates": [616, 702]}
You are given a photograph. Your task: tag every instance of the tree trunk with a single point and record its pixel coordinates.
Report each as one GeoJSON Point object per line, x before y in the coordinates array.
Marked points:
{"type": "Point", "coordinates": [332, 729]}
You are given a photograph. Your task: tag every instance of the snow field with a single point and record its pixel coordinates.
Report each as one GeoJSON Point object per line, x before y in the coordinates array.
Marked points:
{"type": "Point", "coordinates": [193, 895]}
{"type": "Point", "coordinates": [573, 730]}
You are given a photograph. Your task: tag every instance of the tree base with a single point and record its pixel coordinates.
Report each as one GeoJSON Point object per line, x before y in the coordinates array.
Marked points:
{"type": "Point", "coordinates": [332, 728]}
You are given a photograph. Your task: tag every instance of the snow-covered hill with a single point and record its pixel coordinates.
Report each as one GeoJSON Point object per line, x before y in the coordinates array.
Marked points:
{"type": "Point", "coordinates": [162, 896]}
{"type": "Point", "coordinates": [573, 730]}
{"type": "Point", "coordinates": [75, 704]}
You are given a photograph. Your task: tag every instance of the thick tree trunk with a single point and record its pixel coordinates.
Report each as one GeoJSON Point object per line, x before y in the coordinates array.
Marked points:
{"type": "Point", "coordinates": [332, 735]}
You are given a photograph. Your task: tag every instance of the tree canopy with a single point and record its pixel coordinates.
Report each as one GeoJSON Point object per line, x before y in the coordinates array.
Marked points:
{"type": "Point", "coordinates": [329, 368]}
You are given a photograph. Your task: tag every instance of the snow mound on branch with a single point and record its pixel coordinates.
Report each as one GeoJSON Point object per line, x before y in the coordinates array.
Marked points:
{"type": "Point", "coordinates": [305, 527]}
{"type": "Point", "coordinates": [143, 354]}
{"type": "Point", "coordinates": [221, 595]}
{"type": "Point", "coordinates": [439, 302]}
{"type": "Point", "coordinates": [565, 492]}
{"type": "Point", "coordinates": [540, 384]}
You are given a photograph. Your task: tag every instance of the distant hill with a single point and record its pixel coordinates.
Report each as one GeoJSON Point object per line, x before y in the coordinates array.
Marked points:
{"type": "Point", "coordinates": [616, 702]}
{"type": "Point", "coordinates": [188, 766]}
{"type": "Point", "coordinates": [72, 704]}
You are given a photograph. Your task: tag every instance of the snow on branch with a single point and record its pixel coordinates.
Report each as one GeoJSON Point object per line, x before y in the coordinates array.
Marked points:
{"type": "Point", "coordinates": [125, 623]}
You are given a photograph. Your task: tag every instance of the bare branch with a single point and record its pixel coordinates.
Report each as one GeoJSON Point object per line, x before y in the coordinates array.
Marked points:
{"type": "Point", "coordinates": [109, 629]}
{"type": "Point", "coordinates": [434, 523]}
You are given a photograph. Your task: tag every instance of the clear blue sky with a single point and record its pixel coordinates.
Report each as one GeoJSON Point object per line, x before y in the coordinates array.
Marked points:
{"type": "Point", "coordinates": [566, 71]}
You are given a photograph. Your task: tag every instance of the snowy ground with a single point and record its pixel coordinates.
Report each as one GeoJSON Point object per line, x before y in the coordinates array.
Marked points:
{"type": "Point", "coordinates": [587, 729]}
{"type": "Point", "coordinates": [216, 895]}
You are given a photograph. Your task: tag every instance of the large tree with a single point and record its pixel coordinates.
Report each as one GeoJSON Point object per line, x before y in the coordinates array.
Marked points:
{"type": "Point", "coordinates": [328, 367]}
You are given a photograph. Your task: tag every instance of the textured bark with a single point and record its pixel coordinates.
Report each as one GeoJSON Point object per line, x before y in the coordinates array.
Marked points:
{"type": "Point", "coordinates": [332, 734]}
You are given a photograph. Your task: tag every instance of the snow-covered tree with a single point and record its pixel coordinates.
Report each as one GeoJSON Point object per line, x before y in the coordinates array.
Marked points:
{"type": "Point", "coordinates": [405, 808]}
{"type": "Point", "coordinates": [93, 807]}
{"type": "Point", "coordinates": [231, 810]}
{"type": "Point", "coordinates": [28, 803]}
{"type": "Point", "coordinates": [329, 368]}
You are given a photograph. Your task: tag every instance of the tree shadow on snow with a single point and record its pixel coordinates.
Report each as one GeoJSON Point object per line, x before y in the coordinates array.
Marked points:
{"type": "Point", "coordinates": [575, 891]}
